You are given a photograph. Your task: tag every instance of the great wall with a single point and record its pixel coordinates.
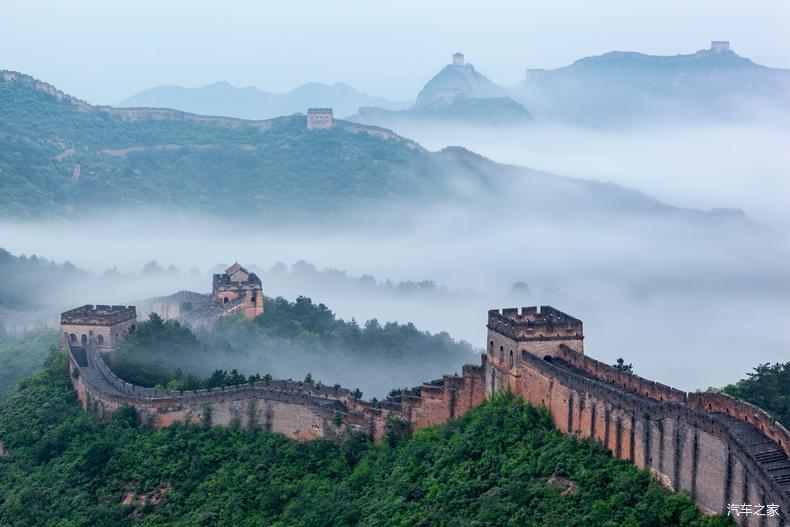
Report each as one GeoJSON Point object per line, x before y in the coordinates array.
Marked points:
{"type": "Point", "coordinates": [721, 450]}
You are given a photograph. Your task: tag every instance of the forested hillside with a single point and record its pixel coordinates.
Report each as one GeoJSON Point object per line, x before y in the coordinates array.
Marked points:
{"type": "Point", "coordinates": [502, 464]}
{"type": "Point", "coordinates": [28, 283]}
{"type": "Point", "coordinates": [291, 340]}
{"type": "Point", "coordinates": [63, 158]}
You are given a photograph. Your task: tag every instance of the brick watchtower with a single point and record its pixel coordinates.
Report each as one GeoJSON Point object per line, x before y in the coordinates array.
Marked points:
{"type": "Point", "coordinates": [539, 332]}
{"type": "Point", "coordinates": [105, 325]}
{"type": "Point", "coordinates": [238, 289]}
{"type": "Point", "coordinates": [319, 118]}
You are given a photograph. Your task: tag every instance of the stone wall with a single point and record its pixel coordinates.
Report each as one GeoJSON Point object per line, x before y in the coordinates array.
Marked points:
{"type": "Point", "coordinates": [721, 450]}
{"type": "Point", "coordinates": [298, 410]}
{"type": "Point", "coordinates": [715, 456]}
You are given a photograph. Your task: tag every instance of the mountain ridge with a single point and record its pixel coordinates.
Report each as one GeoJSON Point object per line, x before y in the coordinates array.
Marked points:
{"type": "Point", "coordinates": [223, 98]}
{"type": "Point", "coordinates": [62, 157]}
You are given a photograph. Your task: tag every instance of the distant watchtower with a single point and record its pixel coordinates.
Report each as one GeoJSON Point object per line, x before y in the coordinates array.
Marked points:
{"type": "Point", "coordinates": [720, 46]}
{"type": "Point", "coordinates": [458, 59]}
{"type": "Point", "coordinates": [319, 118]}
{"type": "Point", "coordinates": [104, 325]}
{"type": "Point", "coordinates": [238, 288]}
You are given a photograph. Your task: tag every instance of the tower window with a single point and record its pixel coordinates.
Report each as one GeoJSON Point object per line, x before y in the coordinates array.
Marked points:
{"type": "Point", "coordinates": [501, 354]}
{"type": "Point", "coordinates": [100, 338]}
{"type": "Point", "coordinates": [225, 300]}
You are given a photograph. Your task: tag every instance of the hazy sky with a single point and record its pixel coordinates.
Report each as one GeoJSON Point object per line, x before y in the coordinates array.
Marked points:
{"type": "Point", "coordinates": [105, 51]}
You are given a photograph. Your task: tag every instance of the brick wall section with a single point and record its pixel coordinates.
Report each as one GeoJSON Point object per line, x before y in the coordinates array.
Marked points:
{"type": "Point", "coordinates": [685, 447]}
{"type": "Point", "coordinates": [299, 411]}
{"type": "Point", "coordinates": [746, 412]}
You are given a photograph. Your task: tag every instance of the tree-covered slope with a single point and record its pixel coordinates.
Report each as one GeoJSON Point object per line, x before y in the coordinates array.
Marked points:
{"type": "Point", "coordinates": [291, 340]}
{"type": "Point", "coordinates": [63, 158]}
{"type": "Point", "coordinates": [502, 464]}
{"type": "Point", "coordinates": [60, 156]}
{"type": "Point", "coordinates": [22, 354]}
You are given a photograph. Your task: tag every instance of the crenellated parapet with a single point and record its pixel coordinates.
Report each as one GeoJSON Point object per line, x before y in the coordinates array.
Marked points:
{"type": "Point", "coordinates": [629, 381]}
{"type": "Point", "coordinates": [746, 412]}
{"type": "Point", "coordinates": [530, 323]}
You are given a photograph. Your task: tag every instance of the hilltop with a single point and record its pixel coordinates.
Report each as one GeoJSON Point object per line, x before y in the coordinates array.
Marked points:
{"type": "Point", "coordinates": [621, 87]}
{"type": "Point", "coordinates": [616, 88]}
{"type": "Point", "coordinates": [457, 93]}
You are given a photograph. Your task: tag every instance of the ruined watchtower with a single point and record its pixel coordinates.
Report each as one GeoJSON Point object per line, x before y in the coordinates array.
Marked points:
{"type": "Point", "coordinates": [458, 59]}
{"type": "Point", "coordinates": [319, 118]}
{"type": "Point", "coordinates": [240, 289]}
{"type": "Point", "coordinates": [104, 325]}
{"type": "Point", "coordinates": [539, 332]}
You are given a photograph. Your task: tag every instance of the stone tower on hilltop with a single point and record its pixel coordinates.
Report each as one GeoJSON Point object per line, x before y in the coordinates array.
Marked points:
{"type": "Point", "coordinates": [458, 59]}
{"type": "Point", "coordinates": [319, 118]}
{"type": "Point", "coordinates": [539, 333]}
{"type": "Point", "coordinates": [105, 326]}
{"type": "Point", "coordinates": [720, 46]}
{"type": "Point", "coordinates": [238, 287]}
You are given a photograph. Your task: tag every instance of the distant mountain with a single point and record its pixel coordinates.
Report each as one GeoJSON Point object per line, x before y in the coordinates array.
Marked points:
{"type": "Point", "coordinates": [488, 111]}
{"type": "Point", "coordinates": [623, 87]}
{"type": "Point", "coordinates": [458, 93]}
{"type": "Point", "coordinates": [221, 98]}
{"type": "Point", "coordinates": [61, 157]}
{"type": "Point", "coordinates": [457, 81]}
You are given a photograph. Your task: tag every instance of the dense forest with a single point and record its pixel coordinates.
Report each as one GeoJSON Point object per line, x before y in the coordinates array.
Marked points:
{"type": "Point", "coordinates": [502, 464]}
{"type": "Point", "coordinates": [63, 158]}
{"type": "Point", "coordinates": [27, 282]}
{"type": "Point", "coordinates": [45, 137]}
{"type": "Point", "coordinates": [292, 339]}
{"type": "Point", "coordinates": [22, 354]}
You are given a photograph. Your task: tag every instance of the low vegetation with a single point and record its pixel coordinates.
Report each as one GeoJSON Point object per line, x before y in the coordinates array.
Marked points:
{"type": "Point", "coordinates": [502, 464]}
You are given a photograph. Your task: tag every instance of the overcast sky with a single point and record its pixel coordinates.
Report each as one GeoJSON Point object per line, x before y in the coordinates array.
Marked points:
{"type": "Point", "coordinates": [105, 51]}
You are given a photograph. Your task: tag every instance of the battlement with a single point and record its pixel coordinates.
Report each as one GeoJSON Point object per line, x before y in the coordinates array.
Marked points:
{"type": "Point", "coordinates": [98, 315]}
{"type": "Point", "coordinates": [533, 323]}
{"type": "Point", "coordinates": [458, 59]}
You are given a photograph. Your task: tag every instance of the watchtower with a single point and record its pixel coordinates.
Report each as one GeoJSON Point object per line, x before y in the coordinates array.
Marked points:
{"type": "Point", "coordinates": [104, 325]}
{"type": "Point", "coordinates": [319, 118]}
{"type": "Point", "coordinates": [458, 59]}
{"type": "Point", "coordinates": [536, 331]}
{"type": "Point", "coordinates": [720, 46]}
{"type": "Point", "coordinates": [237, 288]}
